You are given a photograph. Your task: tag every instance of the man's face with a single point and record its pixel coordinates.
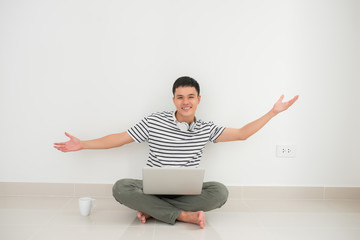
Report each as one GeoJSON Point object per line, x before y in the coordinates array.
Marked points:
{"type": "Point", "coordinates": [186, 101]}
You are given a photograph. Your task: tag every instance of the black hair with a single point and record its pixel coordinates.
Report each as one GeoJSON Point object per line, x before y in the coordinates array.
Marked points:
{"type": "Point", "coordinates": [186, 82]}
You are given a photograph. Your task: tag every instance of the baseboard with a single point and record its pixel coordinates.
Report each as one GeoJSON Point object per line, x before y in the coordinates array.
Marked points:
{"type": "Point", "coordinates": [236, 192]}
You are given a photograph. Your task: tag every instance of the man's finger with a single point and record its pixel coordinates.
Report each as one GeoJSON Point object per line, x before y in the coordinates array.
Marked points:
{"type": "Point", "coordinates": [294, 99]}
{"type": "Point", "coordinates": [70, 136]}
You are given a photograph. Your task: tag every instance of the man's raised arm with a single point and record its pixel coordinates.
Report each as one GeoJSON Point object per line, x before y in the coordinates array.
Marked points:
{"type": "Point", "coordinates": [232, 134]}
{"type": "Point", "coordinates": [110, 141]}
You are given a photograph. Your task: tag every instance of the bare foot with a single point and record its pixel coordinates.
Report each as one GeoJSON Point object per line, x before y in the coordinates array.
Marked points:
{"type": "Point", "coordinates": [193, 217]}
{"type": "Point", "coordinates": [143, 216]}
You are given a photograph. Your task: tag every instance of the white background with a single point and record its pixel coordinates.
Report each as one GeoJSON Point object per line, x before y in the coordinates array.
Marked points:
{"type": "Point", "coordinates": [94, 68]}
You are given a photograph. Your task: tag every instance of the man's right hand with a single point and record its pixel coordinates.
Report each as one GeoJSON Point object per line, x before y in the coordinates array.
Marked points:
{"type": "Point", "coordinates": [74, 144]}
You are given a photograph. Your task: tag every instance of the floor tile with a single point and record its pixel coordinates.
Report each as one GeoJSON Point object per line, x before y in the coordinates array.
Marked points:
{"type": "Point", "coordinates": [233, 220]}
{"type": "Point", "coordinates": [314, 234]}
{"type": "Point", "coordinates": [37, 218]}
{"type": "Point", "coordinates": [18, 232]}
{"type": "Point", "coordinates": [309, 220]}
{"type": "Point", "coordinates": [303, 205]}
{"type": "Point", "coordinates": [176, 233]}
{"type": "Point", "coordinates": [14, 217]}
{"type": "Point", "coordinates": [138, 233]}
{"type": "Point", "coordinates": [78, 233]}
{"type": "Point", "coordinates": [33, 202]}
{"type": "Point", "coordinates": [96, 218]}
{"type": "Point", "coordinates": [248, 233]}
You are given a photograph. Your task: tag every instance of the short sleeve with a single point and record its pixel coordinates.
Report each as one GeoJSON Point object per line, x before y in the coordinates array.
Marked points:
{"type": "Point", "coordinates": [140, 132]}
{"type": "Point", "coordinates": [215, 132]}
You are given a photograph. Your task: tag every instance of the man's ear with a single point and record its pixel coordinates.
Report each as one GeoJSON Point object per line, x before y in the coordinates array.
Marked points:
{"type": "Point", "coordinates": [199, 98]}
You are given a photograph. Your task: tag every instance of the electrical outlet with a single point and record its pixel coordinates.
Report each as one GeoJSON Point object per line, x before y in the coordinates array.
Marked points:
{"type": "Point", "coordinates": [286, 151]}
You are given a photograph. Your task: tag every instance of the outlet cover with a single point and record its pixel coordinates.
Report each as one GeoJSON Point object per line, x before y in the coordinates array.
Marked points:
{"type": "Point", "coordinates": [285, 151]}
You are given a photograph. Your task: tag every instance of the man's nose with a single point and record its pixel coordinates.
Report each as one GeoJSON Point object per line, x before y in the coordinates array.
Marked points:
{"type": "Point", "coordinates": [185, 101]}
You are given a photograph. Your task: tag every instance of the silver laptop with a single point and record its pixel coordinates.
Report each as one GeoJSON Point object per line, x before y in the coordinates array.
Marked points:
{"type": "Point", "coordinates": [173, 181]}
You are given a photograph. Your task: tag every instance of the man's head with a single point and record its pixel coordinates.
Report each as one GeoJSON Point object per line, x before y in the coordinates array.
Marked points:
{"type": "Point", "coordinates": [186, 98]}
{"type": "Point", "coordinates": [186, 82]}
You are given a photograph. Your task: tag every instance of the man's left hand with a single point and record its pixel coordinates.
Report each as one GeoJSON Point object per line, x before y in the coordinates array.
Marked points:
{"type": "Point", "coordinates": [280, 106]}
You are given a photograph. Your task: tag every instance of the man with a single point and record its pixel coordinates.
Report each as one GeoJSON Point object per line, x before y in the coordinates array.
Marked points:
{"type": "Point", "coordinates": [176, 139]}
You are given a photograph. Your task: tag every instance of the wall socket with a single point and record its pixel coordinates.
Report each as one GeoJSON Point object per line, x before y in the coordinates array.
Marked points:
{"type": "Point", "coordinates": [285, 151]}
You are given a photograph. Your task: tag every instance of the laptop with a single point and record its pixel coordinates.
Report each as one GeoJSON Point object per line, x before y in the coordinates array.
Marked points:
{"type": "Point", "coordinates": [173, 181]}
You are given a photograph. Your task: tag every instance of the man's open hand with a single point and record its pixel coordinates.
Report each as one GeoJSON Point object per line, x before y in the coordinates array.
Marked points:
{"type": "Point", "coordinates": [74, 144]}
{"type": "Point", "coordinates": [280, 106]}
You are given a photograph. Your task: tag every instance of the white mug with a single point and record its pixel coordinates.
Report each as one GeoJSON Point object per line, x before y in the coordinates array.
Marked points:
{"type": "Point", "coordinates": [85, 205]}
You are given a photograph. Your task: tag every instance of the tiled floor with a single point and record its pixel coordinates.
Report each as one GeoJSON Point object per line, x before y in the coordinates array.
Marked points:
{"type": "Point", "coordinates": [37, 218]}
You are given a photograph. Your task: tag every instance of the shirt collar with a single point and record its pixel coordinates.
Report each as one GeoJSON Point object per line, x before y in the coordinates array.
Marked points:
{"type": "Point", "coordinates": [177, 120]}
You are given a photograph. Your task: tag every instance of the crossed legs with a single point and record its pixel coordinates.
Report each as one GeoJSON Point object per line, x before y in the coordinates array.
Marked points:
{"type": "Point", "coordinates": [170, 208]}
{"type": "Point", "coordinates": [188, 217]}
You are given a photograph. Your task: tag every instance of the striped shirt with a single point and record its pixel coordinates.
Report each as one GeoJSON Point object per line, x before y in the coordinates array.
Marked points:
{"type": "Point", "coordinates": [168, 145]}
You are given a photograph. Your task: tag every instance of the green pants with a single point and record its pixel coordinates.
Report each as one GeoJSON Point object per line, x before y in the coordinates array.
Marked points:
{"type": "Point", "coordinates": [129, 192]}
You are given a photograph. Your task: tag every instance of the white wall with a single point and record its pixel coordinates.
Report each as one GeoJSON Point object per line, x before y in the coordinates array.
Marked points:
{"type": "Point", "coordinates": [97, 67]}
